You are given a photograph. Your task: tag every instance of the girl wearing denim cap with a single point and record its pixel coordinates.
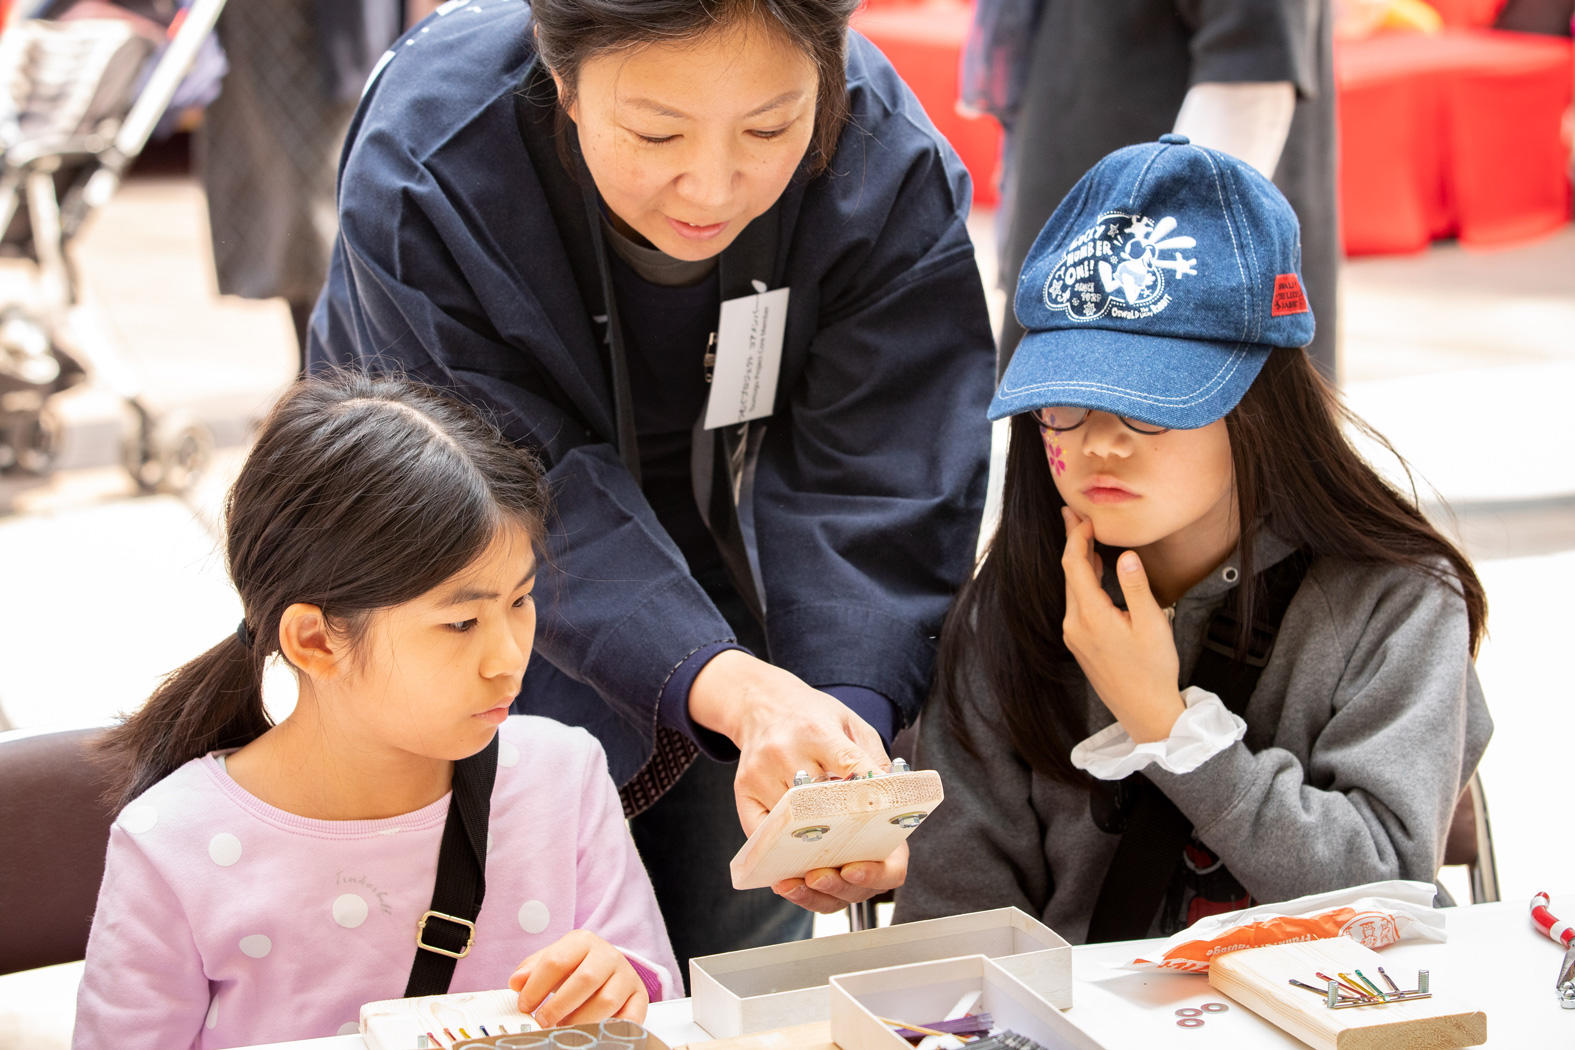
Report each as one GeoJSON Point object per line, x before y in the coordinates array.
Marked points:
{"type": "Point", "coordinates": [1178, 469]}
{"type": "Point", "coordinates": [265, 880]}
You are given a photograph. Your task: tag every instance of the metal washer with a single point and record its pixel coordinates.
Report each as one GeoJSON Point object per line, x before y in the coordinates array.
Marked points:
{"type": "Point", "coordinates": [1189, 1022]}
{"type": "Point", "coordinates": [1189, 1011]}
{"type": "Point", "coordinates": [1215, 1008]}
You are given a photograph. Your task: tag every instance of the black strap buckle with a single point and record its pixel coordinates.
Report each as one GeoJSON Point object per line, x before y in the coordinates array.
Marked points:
{"type": "Point", "coordinates": [469, 934]}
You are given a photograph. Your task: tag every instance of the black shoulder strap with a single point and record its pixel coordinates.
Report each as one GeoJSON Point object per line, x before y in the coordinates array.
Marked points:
{"type": "Point", "coordinates": [1218, 669]}
{"type": "Point", "coordinates": [445, 933]}
{"type": "Point", "coordinates": [1156, 831]}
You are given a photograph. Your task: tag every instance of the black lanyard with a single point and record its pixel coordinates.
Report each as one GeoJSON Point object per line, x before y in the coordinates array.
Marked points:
{"type": "Point", "coordinates": [618, 363]}
{"type": "Point", "coordinates": [753, 256]}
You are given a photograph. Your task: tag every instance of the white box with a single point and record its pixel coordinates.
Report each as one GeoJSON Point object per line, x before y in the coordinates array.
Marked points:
{"type": "Point", "coordinates": [759, 989]}
{"type": "Point", "coordinates": [914, 994]}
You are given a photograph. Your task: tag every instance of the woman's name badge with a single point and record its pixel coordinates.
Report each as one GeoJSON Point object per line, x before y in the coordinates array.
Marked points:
{"type": "Point", "coordinates": [748, 357]}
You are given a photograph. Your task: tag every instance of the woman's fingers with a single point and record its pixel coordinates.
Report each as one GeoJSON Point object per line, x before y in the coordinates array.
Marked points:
{"type": "Point", "coordinates": [832, 889]}
{"type": "Point", "coordinates": [799, 892]}
{"type": "Point", "coordinates": [809, 730]}
{"type": "Point", "coordinates": [781, 725]}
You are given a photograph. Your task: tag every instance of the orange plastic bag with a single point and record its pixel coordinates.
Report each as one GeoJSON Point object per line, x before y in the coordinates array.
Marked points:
{"type": "Point", "coordinates": [1376, 914]}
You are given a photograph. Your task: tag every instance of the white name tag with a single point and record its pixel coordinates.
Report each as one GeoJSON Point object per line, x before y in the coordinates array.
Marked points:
{"type": "Point", "coordinates": [748, 356]}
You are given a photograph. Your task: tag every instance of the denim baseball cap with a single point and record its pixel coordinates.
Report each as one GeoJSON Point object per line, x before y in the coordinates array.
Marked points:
{"type": "Point", "coordinates": [1157, 289]}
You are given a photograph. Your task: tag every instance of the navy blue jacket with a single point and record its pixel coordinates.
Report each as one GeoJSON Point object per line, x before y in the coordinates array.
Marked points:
{"type": "Point", "coordinates": [867, 489]}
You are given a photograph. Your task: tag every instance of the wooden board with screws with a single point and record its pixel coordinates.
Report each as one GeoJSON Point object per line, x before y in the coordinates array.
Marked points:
{"type": "Point", "coordinates": [835, 822]}
{"type": "Point", "coordinates": [1261, 980]}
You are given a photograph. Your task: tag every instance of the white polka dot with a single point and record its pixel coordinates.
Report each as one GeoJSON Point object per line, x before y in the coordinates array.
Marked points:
{"type": "Point", "coordinates": [139, 817]}
{"type": "Point", "coordinates": [213, 1015]}
{"type": "Point", "coordinates": [349, 1028]}
{"type": "Point", "coordinates": [508, 754]}
{"type": "Point", "coordinates": [256, 946]}
{"type": "Point", "coordinates": [533, 916]}
{"type": "Point", "coordinates": [225, 849]}
{"type": "Point", "coordinates": [350, 910]}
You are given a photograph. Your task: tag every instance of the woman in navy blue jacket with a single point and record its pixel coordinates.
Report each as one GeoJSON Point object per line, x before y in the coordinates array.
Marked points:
{"type": "Point", "coordinates": [544, 208]}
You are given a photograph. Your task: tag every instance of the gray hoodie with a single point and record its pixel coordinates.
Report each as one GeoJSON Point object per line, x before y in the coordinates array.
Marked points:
{"type": "Point", "coordinates": [1361, 734]}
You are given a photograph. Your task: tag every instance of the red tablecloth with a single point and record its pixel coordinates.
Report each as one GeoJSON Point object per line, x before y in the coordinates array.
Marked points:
{"type": "Point", "coordinates": [1454, 134]}
{"type": "Point", "coordinates": [924, 42]}
{"type": "Point", "coordinates": [1451, 134]}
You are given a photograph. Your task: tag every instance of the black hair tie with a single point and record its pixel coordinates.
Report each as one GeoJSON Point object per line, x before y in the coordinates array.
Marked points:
{"type": "Point", "coordinates": [243, 634]}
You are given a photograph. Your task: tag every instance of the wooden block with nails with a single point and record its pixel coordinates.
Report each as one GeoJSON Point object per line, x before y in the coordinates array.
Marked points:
{"type": "Point", "coordinates": [836, 822]}
{"type": "Point", "coordinates": [1260, 979]}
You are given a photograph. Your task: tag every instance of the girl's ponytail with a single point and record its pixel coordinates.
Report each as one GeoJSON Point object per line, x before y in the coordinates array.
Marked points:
{"type": "Point", "coordinates": [213, 702]}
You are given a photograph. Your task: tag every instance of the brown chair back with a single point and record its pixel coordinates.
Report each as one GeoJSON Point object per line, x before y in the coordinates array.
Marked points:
{"type": "Point", "coordinates": [1470, 842]}
{"type": "Point", "coordinates": [54, 828]}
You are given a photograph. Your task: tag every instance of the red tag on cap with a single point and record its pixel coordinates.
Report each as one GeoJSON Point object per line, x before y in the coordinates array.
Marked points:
{"type": "Point", "coordinates": [1288, 296]}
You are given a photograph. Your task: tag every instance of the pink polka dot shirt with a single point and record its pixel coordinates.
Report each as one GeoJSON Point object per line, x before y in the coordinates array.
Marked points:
{"type": "Point", "coordinates": [223, 921]}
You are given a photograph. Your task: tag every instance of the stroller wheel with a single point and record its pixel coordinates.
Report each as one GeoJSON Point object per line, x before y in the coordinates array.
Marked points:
{"type": "Point", "coordinates": [169, 454]}
{"type": "Point", "coordinates": [31, 443]}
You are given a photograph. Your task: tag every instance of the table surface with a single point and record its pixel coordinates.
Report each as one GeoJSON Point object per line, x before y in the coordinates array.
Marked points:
{"type": "Point", "coordinates": [1494, 960]}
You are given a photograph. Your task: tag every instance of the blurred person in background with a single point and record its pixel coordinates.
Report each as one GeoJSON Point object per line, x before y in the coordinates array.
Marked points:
{"type": "Point", "coordinates": [268, 147]}
{"type": "Point", "coordinates": [1072, 80]}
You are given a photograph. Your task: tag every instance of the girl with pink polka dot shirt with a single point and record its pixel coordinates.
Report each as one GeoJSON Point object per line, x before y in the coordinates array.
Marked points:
{"type": "Point", "coordinates": [265, 880]}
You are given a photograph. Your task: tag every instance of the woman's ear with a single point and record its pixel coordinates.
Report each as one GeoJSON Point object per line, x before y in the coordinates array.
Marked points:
{"type": "Point", "coordinates": [306, 640]}
{"type": "Point", "coordinates": [557, 81]}
{"type": "Point", "coordinates": [569, 106]}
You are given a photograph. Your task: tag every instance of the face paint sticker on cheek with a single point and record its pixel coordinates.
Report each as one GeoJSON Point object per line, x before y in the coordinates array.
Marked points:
{"type": "Point", "coordinates": [1052, 448]}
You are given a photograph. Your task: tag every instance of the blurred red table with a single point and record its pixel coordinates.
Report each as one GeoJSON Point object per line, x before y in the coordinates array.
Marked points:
{"type": "Point", "coordinates": [1452, 134]}
{"type": "Point", "coordinates": [924, 42]}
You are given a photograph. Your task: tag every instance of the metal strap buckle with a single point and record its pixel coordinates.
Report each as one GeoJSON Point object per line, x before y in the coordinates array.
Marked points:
{"type": "Point", "coordinates": [470, 934]}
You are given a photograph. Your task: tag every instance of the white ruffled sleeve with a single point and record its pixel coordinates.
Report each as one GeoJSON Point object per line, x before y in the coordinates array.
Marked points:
{"type": "Point", "coordinates": [1202, 731]}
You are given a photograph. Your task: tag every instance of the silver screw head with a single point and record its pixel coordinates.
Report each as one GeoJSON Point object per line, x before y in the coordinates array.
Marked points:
{"type": "Point", "coordinates": [899, 766]}
{"type": "Point", "coordinates": [800, 778]}
{"type": "Point", "coordinates": [811, 834]}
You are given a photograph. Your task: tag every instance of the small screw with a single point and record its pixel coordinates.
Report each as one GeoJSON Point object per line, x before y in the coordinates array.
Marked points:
{"type": "Point", "coordinates": [1421, 980]}
{"type": "Point", "coordinates": [1567, 995]}
{"type": "Point", "coordinates": [800, 778]}
{"type": "Point", "coordinates": [812, 834]}
{"type": "Point", "coordinates": [899, 765]}
{"type": "Point", "coordinates": [909, 820]}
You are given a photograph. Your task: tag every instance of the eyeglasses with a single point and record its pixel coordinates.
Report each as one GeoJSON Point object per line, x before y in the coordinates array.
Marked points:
{"type": "Point", "coordinates": [1061, 418]}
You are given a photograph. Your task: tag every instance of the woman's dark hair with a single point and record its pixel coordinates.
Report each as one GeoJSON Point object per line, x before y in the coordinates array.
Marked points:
{"type": "Point", "coordinates": [361, 492]}
{"type": "Point", "coordinates": [568, 32]}
{"type": "Point", "coordinates": [1296, 473]}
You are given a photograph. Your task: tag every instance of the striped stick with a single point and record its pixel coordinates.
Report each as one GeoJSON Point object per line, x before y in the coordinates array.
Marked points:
{"type": "Point", "coordinates": [1561, 932]}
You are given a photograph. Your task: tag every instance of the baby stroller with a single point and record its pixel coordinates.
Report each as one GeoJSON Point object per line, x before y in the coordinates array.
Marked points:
{"type": "Point", "coordinates": [79, 98]}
